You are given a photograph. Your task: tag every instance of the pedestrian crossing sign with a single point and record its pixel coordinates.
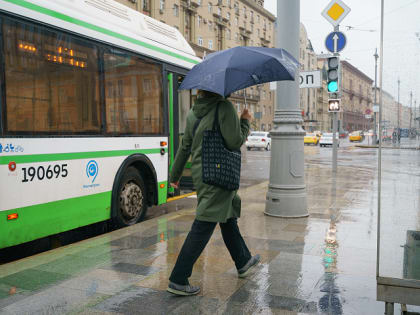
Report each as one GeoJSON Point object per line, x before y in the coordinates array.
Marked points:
{"type": "Point", "coordinates": [335, 12]}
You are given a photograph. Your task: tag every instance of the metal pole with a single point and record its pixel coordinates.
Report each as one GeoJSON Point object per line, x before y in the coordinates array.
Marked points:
{"type": "Point", "coordinates": [398, 105]}
{"type": "Point", "coordinates": [411, 107]}
{"type": "Point", "coordinates": [335, 143]}
{"type": "Point", "coordinates": [286, 196]}
{"type": "Point", "coordinates": [374, 102]}
{"type": "Point", "coordinates": [335, 119]}
{"type": "Point", "coordinates": [381, 66]}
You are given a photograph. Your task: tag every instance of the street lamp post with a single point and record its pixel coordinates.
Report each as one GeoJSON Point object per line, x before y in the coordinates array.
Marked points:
{"type": "Point", "coordinates": [286, 196]}
{"type": "Point", "coordinates": [374, 102]}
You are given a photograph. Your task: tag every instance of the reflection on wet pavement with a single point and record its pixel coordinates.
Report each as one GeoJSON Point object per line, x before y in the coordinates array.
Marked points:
{"type": "Point", "coordinates": [323, 264]}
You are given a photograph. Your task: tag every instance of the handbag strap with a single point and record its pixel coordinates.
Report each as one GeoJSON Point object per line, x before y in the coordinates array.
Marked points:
{"type": "Point", "coordinates": [197, 122]}
{"type": "Point", "coordinates": [216, 125]}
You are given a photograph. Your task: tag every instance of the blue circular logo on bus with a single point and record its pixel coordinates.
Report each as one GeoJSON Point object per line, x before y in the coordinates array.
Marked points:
{"type": "Point", "coordinates": [92, 170]}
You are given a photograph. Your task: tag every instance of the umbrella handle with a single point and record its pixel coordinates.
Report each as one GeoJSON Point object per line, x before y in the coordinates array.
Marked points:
{"type": "Point", "coordinates": [245, 98]}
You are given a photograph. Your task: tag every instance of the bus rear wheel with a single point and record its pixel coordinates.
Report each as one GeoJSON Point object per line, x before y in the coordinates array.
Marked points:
{"type": "Point", "coordinates": [132, 199]}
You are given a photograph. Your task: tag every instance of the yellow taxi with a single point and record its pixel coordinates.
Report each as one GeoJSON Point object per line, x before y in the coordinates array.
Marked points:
{"type": "Point", "coordinates": [356, 136]}
{"type": "Point", "coordinates": [311, 138]}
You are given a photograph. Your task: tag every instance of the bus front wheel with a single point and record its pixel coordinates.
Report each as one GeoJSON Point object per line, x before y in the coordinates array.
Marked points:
{"type": "Point", "coordinates": [132, 199]}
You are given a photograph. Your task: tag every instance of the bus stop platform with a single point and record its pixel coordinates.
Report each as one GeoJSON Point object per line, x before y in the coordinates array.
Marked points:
{"type": "Point", "coordinates": [322, 264]}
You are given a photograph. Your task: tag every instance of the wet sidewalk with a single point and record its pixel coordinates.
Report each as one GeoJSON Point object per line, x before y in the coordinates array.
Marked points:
{"type": "Point", "coordinates": [321, 264]}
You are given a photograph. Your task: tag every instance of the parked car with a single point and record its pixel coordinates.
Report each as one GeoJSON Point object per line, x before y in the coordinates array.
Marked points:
{"type": "Point", "coordinates": [327, 139]}
{"type": "Point", "coordinates": [357, 136]}
{"type": "Point", "coordinates": [343, 134]}
{"type": "Point", "coordinates": [311, 138]}
{"type": "Point", "coordinates": [259, 140]}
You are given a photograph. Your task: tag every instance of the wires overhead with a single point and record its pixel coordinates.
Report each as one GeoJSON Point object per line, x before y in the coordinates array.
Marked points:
{"type": "Point", "coordinates": [352, 28]}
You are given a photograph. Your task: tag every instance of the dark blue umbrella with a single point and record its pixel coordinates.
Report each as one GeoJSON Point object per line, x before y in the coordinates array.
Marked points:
{"type": "Point", "coordinates": [230, 70]}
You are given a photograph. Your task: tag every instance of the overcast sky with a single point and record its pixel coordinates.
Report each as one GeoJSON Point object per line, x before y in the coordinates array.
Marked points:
{"type": "Point", "coordinates": [401, 46]}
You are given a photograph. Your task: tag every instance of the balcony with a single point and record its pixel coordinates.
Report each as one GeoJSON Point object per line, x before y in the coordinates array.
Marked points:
{"type": "Point", "coordinates": [243, 32]}
{"type": "Point", "coordinates": [190, 5]}
{"type": "Point", "coordinates": [265, 40]}
{"type": "Point", "coordinates": [249, 97]}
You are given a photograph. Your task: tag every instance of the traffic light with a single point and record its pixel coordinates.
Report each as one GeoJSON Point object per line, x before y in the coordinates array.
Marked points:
{"type": "Point", "coordinates": [334, 105]}
{"type": "Point", "coordinates": [332, 75]}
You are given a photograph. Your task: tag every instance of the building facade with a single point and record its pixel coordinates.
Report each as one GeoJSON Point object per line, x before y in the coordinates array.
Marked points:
{"type": "Point", "coordinates": [308, 96]}
{"type": "Point", "coordinates": [356, 100]}
{"type": "Point", "coordinates": [389, 109]}
{"type": "Point", "coordinates": [406, 117]}
{"type": "Point", "coordinates": [212, 25]}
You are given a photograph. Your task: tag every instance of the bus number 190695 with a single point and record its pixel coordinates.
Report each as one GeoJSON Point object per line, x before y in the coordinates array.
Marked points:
{"type": "Point", "coordinates": [41, 173]}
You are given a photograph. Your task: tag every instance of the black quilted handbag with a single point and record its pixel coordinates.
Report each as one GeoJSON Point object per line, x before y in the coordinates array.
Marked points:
{"type": "Point", "coordinates": [220, 166]}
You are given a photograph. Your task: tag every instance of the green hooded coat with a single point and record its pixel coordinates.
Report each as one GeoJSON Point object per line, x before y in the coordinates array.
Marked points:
{"type": "Point", "coordinates": [215, 204]}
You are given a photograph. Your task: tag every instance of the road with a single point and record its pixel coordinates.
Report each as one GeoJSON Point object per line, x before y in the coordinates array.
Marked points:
{"type": "Point", "coordinates": [255, 170]}
{"type": "Point", "coordinates": [256, 166]}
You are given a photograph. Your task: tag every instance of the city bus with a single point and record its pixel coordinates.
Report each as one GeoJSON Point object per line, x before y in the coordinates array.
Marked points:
{"type": "Point", "coordinates": [90, 114]}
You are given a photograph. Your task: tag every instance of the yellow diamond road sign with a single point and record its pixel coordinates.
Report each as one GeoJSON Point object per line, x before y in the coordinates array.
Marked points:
{"type": "Point", "coordinates": [335, 12]}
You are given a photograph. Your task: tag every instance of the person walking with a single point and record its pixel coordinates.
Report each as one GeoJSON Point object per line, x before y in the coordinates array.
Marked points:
{"type": "Point", "coordinates": [215, 204]}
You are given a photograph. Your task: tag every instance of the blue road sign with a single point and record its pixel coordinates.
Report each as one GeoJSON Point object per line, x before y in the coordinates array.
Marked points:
{"type": "Point", "coordinates": [335, 42]}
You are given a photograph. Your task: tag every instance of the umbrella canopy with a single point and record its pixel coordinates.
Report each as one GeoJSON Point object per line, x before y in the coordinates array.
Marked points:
{"type": "Point", "coordinates": [230, 70]}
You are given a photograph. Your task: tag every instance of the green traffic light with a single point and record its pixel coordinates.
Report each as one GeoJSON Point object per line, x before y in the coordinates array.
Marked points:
{"type": "Point", "coordinates": [332, 86]}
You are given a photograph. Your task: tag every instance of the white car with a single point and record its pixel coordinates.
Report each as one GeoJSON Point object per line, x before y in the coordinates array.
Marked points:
{"type": "Point", "coordinates": [258, 139]}
{"type": "Point", "coordinates": [327, 139]}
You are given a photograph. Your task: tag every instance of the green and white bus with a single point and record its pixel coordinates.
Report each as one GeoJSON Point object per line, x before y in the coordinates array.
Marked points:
{"type": "Point", "coordinates": [90, 114]}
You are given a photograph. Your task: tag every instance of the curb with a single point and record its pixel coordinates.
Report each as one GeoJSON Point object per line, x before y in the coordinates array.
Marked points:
{"type": "Point", "coordinates": [386, 147]}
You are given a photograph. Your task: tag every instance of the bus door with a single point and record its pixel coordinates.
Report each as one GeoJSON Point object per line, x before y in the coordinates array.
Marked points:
{"type": "Point", "coordinates": [180, 102]}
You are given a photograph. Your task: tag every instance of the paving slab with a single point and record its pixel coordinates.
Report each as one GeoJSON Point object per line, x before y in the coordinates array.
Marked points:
{"type": "Point", "coordinates": [323, 264]}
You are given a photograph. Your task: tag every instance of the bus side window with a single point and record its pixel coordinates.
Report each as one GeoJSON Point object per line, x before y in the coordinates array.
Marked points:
{"type": "Point", "coordinates": [133, 94]}
{"type": "Point", "coordinates": [52, 81]}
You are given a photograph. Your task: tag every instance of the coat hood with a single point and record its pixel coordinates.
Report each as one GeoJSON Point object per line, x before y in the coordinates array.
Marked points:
{"type": "Point", "coordinates": [203, 105]}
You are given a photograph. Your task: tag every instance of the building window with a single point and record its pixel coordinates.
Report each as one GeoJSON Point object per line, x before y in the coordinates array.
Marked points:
{"type": "Point", "coordinates": [162, 5]}
{"type": "Point", "coordinates": [228, 16]}
{"type": "Point", "coordinates": [264, 110]}
{"type": "Point", "coordinates": [210, 25]}
{"type": "Point", "coordinates": [244, 11]}
{"type": "Point", "coordinates": [219, 11]}
{"type": "Point", "coordinates": [199, 21]}
{"type": "Point", "coordinates": [258, 32]}
{"type": "Point", "coordinates": [176, 10]}
{"type": "Point", "coordinates": [146, 5]}
{"type": "Point", "coordinates": [236, 21]}
{"type": "Point", "coordinates": [228, 34]}
{"type": "Point", "coordinates": [238, 107]}
{"type": "Point", "coordinates": [200, 41]}
{"type": "Point", "coordinates": [210, 8]}
{"type": "Point", "coordinates": [199, 2]}
{"type": "Point", "coordinates": [236, 37]}
{"type": "Point", "coordinates": [210, 44]}
{"type": "Point", "coordinates": [258, 18]}
{"type": "Point", "coordinates": [228, 3]}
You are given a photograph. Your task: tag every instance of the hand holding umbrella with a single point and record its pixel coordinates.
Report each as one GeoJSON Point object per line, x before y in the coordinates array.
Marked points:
{"type": "Point", "coordinates": [246, 115]}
